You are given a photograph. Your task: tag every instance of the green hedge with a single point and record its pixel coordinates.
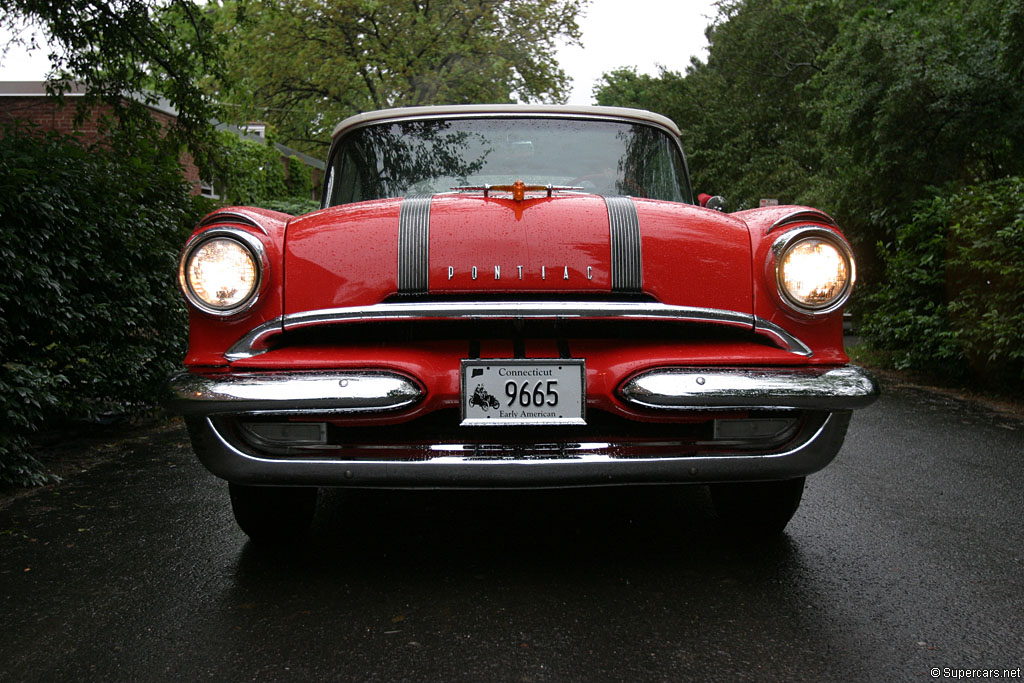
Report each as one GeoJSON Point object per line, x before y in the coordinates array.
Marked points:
{"type": "Point", "coordinates": [90, 320]}
{"type": "Point", "coordinates": [300, 179]}
{"type": "Point", "coordinates": [290, 205]}
{"type": "Point", "coordinates": [247, 172]}
{"type": "Point", "coordinates": [953, 302]}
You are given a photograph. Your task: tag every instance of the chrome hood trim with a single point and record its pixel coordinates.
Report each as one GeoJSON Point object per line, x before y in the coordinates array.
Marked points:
{"type": "Point", "coordinates": [414, 244]}
{"type": "Point", "coordinates": [803, 216]}
{"type": "Point", "coordinates": [626, 252]}
{"type": "Point", "coordinates": [257, 341]}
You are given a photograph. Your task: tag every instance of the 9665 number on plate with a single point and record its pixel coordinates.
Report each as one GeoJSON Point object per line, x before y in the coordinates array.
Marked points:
{"type": "Point", "coordinates": [523, 392]}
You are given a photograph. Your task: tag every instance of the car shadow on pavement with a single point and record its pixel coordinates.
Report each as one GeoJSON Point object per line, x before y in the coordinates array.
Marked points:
{"type": "Point", "coordinates": [575, 531]}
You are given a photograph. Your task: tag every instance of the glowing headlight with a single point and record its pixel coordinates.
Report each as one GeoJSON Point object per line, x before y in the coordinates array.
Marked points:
{"type": "Point", "coordinates": [814, 271]}
{"type": "Point", "coordinates": [221, 273]}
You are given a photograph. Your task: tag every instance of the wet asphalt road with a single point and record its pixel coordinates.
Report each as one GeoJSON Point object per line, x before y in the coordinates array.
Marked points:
{"type": "Point", "coordinates": [905, 556]}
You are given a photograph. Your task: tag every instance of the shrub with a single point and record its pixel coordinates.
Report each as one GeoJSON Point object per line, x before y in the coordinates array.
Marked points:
{"type": "Point", "coordinates": [300, 179]}
{"type": "Point", "coordinates": [953, 302]}
{"type": "Point", "coordinates": [91, 321]}
{"type": "Point", "coordinates": [290, 205]}
{"type": "Point", "coordinates": [247, 172]}
{"type": "Point", "coordinates": [986, 275]}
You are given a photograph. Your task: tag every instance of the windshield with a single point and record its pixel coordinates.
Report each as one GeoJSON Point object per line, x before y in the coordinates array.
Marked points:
{"type": "Point", "coordinates": [433, 156]}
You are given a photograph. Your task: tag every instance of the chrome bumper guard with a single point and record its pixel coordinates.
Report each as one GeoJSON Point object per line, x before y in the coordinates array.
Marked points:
{"type": "Point", "coordinates": [212, 403]}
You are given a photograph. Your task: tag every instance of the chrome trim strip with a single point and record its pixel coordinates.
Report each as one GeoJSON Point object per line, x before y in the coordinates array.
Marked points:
{"type": "Point", "coordinates": [801, 215]}
{"type": "Point", "coordinates": [842, 388]}
{"type": "Point", "coordinates": [413, 244]}
{"type": "Point", "coordinates": [781, 337]}
{"type": "Point", "coordinates": [257, 341]}
{"type": "Point", "coordinates": [509, 310]}
{"type": "Point", "coordinates": [283, 393]}
{"type": "Point", "coordinates": [624, 229]}
{"type": "Point", "coordinates": [232, 217]}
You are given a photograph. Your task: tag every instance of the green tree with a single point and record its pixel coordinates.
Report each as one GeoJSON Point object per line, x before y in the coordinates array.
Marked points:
{"type": "Point", "coordinates": [746, 125]}
{"type": "Point", "coordinates": [130, 53]}
{"type": "Point", "coordinates": [860, 107]}
{"type": "Point", "coordinates": [303, 65]}
{"type": "Point", "coordinates": [914, 95]}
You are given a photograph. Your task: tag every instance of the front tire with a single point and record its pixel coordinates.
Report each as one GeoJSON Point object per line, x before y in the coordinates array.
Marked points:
{"type": "Point", "coordinates": [273, 513]}
{"type": "Point", "coordinates": [757, 508]}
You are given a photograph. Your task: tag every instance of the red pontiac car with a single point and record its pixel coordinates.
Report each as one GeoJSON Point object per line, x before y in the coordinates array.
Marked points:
{"type": "Point", "coordinates": [506, 296]}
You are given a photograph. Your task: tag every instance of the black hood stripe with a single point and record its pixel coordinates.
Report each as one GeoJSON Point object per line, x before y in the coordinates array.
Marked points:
{"type": "Point", "coordinates": [413, 244]}
{"type": "Point", "coordinates": [626, 262]}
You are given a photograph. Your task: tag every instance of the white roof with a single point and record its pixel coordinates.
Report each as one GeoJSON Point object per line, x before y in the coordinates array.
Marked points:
{"type": "Point", "coordinates": [75, 89]}
{"type": "Point", "coordinates": [506, 109]}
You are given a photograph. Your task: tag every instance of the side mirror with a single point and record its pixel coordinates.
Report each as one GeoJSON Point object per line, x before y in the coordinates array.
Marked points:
{"type": "Point", "coordinates": [716, 203]}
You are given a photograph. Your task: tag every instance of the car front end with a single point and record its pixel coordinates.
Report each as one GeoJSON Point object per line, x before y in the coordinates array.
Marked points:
{"type": "Point", "coordinates": [515, 297]}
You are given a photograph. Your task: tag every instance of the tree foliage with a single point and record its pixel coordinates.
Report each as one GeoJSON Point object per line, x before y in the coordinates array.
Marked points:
{"type": "Point", "coordinates": [252, 172]}
{"type": "Point", "coordinates": [742, 112]}
{"type": "Point", "coordinates": [858, 107]}
{"type": "Point", "coordinates": [299, 180]}
{"type": "Point", "coordinates": [304, 65]}
{"type": "Point", "coordinates": [864, 108]}
{"type": "Point", "coordinates": [915, 95]}
{"type": "Point", "coordinates": [129, 53]}
{"type": "Point", "coordinates": [246, 171]}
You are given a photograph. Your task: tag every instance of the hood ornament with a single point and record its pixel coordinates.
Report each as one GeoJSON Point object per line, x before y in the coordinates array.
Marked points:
{"type": "Point", "coordinates": [518, 189]}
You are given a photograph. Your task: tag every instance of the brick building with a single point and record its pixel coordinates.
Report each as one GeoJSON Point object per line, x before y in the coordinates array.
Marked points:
{"type": "Point", "coordinates": [27, 101]}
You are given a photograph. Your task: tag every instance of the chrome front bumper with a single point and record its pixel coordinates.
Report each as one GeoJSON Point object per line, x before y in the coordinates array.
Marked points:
{"type": "Point", "coordinates": [213, 405]}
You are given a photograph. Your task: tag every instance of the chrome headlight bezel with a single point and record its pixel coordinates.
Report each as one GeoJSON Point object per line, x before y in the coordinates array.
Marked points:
{"type": "Point", "coordinates": [257, 252]}
{"type": "Point", "coordinates": [789, 240]}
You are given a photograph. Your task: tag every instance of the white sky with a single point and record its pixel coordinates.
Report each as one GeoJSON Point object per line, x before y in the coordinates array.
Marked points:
{"type": "Point", "coordinates": [20, 65]}
{"type": "Point", "coordinates": [616, 33]}
{"type": "Point", "coordinates": [641, 33]}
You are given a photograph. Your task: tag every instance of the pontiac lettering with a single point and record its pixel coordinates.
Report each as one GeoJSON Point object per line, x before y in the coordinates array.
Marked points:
{"type": "Point", "coordinates": [474, 272]}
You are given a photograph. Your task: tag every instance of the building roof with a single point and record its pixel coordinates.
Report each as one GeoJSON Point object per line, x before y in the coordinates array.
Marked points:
{"type": "Point", "coordinates": [34, 88]}
{"type": "Point", "coordinates": [512, 109]}
{"type": "Point", "coordinates": [38, 89]}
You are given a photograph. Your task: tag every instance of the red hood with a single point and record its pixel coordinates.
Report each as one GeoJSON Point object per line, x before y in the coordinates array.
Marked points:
{"type": "Point", "coordinates": [562, 246]}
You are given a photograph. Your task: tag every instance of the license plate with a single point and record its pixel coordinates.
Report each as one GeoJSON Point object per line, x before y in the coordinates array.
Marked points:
{"type": "Point", "coordinates": [523, 392]}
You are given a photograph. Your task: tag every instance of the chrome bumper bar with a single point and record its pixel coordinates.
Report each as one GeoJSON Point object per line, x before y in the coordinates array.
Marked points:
{"type": "Point", "coordinates": [214, 405]}
{"type": "Point", "coordinates": [324, 393]}
{"type": "Point", "coordinates": [842, 388]}
{"type": "Point", "coordinates": [292, 393]}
